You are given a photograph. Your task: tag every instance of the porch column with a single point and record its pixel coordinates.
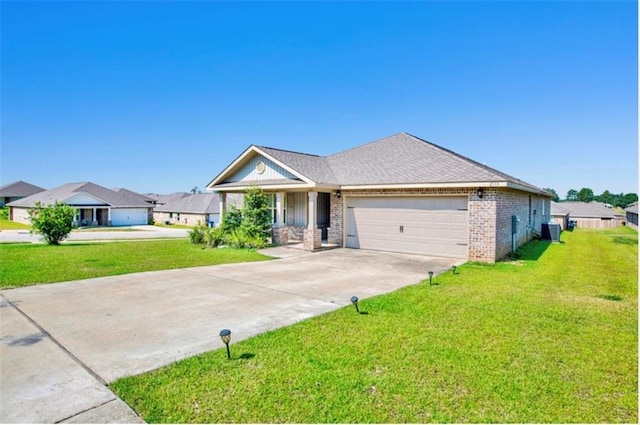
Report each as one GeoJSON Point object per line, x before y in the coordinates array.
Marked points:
{"type": "Point", "coordinates": [312, 238]}
{"type": "Point", "coordinates": [94, 217]}
{"type": "Point", "coordinates": [108, 216]}
{"type": "Point", "coordinates": [280, 199]}
{"type": "Point", "coordinates": [280, 235]}
{"type": "Point", "coordinates": [223, 206]}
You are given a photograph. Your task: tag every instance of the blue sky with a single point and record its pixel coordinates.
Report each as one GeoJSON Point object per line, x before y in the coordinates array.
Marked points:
{"type": "Point", "coordinates": [161, 96]}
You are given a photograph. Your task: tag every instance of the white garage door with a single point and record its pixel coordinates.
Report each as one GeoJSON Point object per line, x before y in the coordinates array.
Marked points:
{"type": "Point", "coordinates": [128, 216]}
{"type": "Point", "coordinates": [434, 226]}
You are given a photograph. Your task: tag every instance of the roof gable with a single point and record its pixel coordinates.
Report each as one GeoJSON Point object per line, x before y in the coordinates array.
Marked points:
{"type": "Point", "coordinates": [395, 161]}
{"type": "Point", "coordinates": [19, 188]}
{"type": "Point", "coordinates": [70, 191]}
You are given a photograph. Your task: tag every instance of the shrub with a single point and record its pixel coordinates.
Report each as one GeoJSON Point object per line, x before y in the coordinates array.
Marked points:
{"type": "Point", "coordinates": [232, 219]}
{"type": "Point", "coordinates": [196, 235]}
{"type": "Point", "coordinates": [214, 237]}
{"type": "Point", "coordinates": [4, 213]}
{"type": "Point", "coordinates": [239, 238]}
{"type": "Point", "coordinates": [256, 214]}
{"type": "Point", "coordinates": [53, 222]}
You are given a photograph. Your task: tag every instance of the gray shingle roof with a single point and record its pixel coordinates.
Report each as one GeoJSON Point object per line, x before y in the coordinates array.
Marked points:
{"type": "Point", "coordinates": [19, 188]}
{"type": "Point", "coordinates": [62, 193]}
{"type": "Point", "coordinates": [396, 160]}
{"type": "Point", "coordinates": [314, 167]}
{"type": "Point", "coordinates": [633, 208]}
{"type": "Point", "coordinates": [586, 210]}
{"type": "Point", "coordinates": [200, 203]}
{"type": "Point", "coordinates": [404, 159]}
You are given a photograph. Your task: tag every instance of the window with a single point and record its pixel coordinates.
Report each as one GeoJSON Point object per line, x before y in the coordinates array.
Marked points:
{"type": "Point", "coordinates": [271, 202]}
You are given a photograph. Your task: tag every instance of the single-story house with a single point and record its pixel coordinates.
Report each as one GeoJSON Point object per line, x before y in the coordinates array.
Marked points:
{"type": "Point", "coordinates": [632, 215]}
{"type": "Point", "coordinates": [560, 215]}
{"type": "Point", "coordinates": [95, 205]}
{"type": "Point", "coordinates": [164, 199]}
{"type": "Point", "coordinates": [400, 194]}
{"type": "Point", "coordinates": [191, 210]}
{"type": "Point", "coordinates": [589, 215]}
{"type": "Point", "coordinates": [17, 190]}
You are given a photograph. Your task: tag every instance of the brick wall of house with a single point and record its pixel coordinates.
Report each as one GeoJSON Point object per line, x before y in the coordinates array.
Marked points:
{"type": "Point", "coordinates": [335, 220]}
{"type": "Point", "coordinates": [482, 226]}
{"type": "Point", "coordinates": [185, 218]}
{"type": "Point", "coordinates": [489, 217]}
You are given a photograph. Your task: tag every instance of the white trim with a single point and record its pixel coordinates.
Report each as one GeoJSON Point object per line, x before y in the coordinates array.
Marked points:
{"type": "Point", "coordinates": [244, 156]}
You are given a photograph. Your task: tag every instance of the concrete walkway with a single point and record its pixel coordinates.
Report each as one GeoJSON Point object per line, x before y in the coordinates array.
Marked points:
{"type": "Point", "coordinates": [61, 343]}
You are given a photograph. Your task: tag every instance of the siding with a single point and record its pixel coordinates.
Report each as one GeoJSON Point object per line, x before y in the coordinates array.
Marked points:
{"type": "Point", "coordinates": [272, 171]}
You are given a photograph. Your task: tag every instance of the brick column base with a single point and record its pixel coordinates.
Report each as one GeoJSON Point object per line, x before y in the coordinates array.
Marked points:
{"type": "Point", "coordinates": [280, 236]}
{"type": "Point", "coordinates": [312, 239]}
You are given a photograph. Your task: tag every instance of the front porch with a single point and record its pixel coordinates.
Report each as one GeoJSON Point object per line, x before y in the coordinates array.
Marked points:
{"type": "Point", "coordinates": [303, 219]}
{"type": "Point", "coordinates": [92, 216]}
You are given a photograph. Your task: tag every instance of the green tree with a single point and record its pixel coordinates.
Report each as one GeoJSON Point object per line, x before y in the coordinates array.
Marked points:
{"type": "Point", "coordinates": [628, 199]}
{"type": "Point", "coordinates": [52, 222]}
{"type": "Point", "coordinates": [256, 214]}
{"type": "Point", "coordinates": [585, 195]}
{"type": "Point", "coordinates": [232, 219]}
{"type": "Point", "coordinates": [572, 195]}
{"type": "Point", "coordinates": [556, 198]}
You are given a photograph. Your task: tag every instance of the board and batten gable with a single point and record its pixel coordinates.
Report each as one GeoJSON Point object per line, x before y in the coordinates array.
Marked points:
{"type": "Point", "coordinates": [251, 171]}
{"type": "Point", "coordinates": [84, 199]}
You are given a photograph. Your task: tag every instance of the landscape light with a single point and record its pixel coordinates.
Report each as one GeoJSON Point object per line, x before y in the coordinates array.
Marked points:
{"type": "Point", "coordinates": [430, 278]}
{"type": "Point", "coordinates": [354, 300]}
{"type": "Point", "coordinates": [225, 335]}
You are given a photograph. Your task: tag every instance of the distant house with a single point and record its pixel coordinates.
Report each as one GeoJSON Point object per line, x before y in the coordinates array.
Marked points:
{"type": "Point", "coordinates": [591, 215]}
{"type": "Point", "coordinates": [95, 205]}
{"type": "Point", "coordinates": [17, 190]}
{"type": "Point", "coordinates": [632, 215]}
{"type": "Point", "coordinates": [560, 215]}
{"type": "Point", "coordinates": [188, 209]}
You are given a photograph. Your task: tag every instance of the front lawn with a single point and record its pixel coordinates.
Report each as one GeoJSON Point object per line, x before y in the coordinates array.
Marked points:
{"type": "Point", "coordinates": [6, 224]}
{"type": "Point", "coordinates": [29, 264]}
{"type": "Point", "coordinates": [551, 337]}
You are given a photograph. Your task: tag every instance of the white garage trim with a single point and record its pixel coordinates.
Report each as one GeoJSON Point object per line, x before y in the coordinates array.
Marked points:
{"type": "Point", "coordinates": [436, 225]}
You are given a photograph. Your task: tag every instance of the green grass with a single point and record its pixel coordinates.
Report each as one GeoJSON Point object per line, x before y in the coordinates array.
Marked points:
{"type": "Point", "coordinates": [12, 225]}
{"type": "Point", "coordinates": [30, 264]}
{"type": "Point", "coordinates": [526, 341]}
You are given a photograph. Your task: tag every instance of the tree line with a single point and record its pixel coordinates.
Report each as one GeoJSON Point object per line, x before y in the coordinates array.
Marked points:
{"type": "Point", "coordinates": [585, 194]}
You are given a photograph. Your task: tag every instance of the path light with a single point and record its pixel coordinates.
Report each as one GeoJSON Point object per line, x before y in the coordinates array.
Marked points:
{"type": "Point", "coordinates": [430, 278]}
{"type": "Point", "coordinates": [225, 334]}
{"type": "Point", "coordinates": [454, 269]}
{"type": "Point", "coordinates": [354, 300]}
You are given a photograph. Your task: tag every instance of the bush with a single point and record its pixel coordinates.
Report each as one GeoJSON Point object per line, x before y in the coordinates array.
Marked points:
{"type": "Point", "coordinates": [239, 238]}
{"type": "Point", "coordinates": [4, 213]}
{"type": "Point", "coordinates": [214, 237]}
{"type": "Point", "coordinates": [53, 222]}
{"type": "Point", "coordinates": [232, 219]}
{"type": "Point", "coordinates": [196, 235]}
{"type": "Point", "coordinates": [256, 214]}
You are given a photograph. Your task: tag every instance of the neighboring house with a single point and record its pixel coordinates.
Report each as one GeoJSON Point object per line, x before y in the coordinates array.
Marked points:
{"type": "Point", "coordinates": [164, 199]}
{"type": "Point", "coordinates": [400, 194]}
{"type": "Point", "coordinates": [17, 190]}
{"type": "Point", "coordinates": [200, 208]}
{"type": "Point", "coordinates": [632, 215]}
{"type": "Point", "coordinates": [590, 215]}
{"type": "Point", "coordinates": [560, 215]}
{"type": "Point", "coordinates": [95, 205]}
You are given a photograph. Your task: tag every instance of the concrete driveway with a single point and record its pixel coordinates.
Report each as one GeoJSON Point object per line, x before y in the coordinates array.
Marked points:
{"type": "Point", "coordinates": [61, 343]}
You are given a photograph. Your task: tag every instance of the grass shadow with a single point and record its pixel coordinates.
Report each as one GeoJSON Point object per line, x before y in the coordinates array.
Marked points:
{"type": "Point", "coordinates": [246, 356]}
{"type": "Point", "coordinates": [532, 250]}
